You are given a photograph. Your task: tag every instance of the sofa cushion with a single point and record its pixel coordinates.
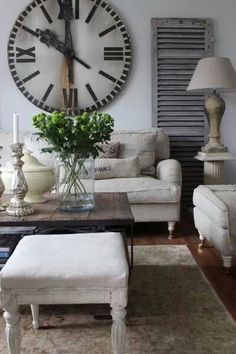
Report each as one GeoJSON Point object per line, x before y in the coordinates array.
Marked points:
{"type": "Point", "coordinates": [141, 190]}
{"type": "Point", "coordinates": [161, 146]}
{"type": "Point", "coordinates": [139, 143]}
{"type": "Point", "coordinates": [110, 150]}
{"type": "Point", "coordinates": [115, 168]}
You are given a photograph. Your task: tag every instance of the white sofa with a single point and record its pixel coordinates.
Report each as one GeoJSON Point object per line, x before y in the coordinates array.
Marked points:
{"type": "Point", "coordinates": [154, 192]}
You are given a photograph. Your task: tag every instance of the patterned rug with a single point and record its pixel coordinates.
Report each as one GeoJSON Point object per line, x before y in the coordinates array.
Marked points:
{"type": "Point", "coordinates": [172, 310]}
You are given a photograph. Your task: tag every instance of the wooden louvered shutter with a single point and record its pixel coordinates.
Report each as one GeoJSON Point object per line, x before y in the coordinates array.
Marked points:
{"type": "Point", "coordinates": [178, 44]}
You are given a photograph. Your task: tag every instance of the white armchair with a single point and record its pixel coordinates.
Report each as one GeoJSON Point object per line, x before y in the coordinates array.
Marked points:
{"type": "Point", "coordinates": [153, 196]}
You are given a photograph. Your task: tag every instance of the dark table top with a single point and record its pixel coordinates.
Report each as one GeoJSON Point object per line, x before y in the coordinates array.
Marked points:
{"type": "Point", "coordinates": [110, 209]}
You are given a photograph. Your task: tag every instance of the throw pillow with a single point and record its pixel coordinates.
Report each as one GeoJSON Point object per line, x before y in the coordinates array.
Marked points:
{"type": "Point", "coordinates": [115, 168]}
{"type": "Point", "coordinates": [110, 150]}
{"type": "Point", "coordinates": [140, 143]}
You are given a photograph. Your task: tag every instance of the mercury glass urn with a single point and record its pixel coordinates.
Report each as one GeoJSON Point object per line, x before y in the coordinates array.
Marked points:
{"type": "Point", "coordinates": [40, 179]}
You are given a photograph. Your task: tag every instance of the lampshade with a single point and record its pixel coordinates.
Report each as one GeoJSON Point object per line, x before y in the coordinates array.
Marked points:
{"type": "Point", "coordinates": [213, 73]}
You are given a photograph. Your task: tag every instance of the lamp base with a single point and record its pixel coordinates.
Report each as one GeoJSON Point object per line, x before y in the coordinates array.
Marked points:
{"type": "Point", "coordinates": [214, 109]}
{"type": "Point", "coordinates": [214, 147]}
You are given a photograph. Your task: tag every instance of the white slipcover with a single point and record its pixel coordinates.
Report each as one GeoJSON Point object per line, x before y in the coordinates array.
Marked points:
{"type": "Point", "coordinates": [215, 218]}
{"type": "Point", "coordinates": [93, 260]}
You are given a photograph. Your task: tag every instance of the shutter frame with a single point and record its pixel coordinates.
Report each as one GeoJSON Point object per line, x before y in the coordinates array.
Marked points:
{"type": "Point", "coordinates": [178, 44]}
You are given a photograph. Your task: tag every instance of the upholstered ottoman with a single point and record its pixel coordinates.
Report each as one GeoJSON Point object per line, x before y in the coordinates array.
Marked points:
{"type": "Point", "coordinates": [65, 269]}
{"type": "Point", "coordinates": [215, 218]}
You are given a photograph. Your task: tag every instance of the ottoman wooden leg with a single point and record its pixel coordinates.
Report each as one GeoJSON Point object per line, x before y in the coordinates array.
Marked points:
{"type": "Point", "coordinates": [202, 240]}
{"type": "Point", "coordinates": [13, 332]}
{"type": "Point", "coordinates": [118, 330]}
{"type": "Point", "coordinates": [227, 263]}
{"type": "Point", "coordinates": [35, 315]}
{"type": "Point", "coordinates": [171, 228]}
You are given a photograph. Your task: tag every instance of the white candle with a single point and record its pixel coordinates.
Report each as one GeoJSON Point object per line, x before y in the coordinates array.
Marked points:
{"type": "Point", "coordinates": [15, 128]}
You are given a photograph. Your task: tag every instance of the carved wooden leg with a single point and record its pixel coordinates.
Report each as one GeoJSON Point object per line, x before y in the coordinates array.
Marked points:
{"type": "Point", "coordinates": [171, 227]}
{"type": "Point", "coordinates": [35, 315]}
{"type": "Point", "coordinates": [13, 332]}
{"type": "Point", "coordinates": [227, 263]}
{"type": "Point", "coordinates": [202, 240]}
{"type": "Point", "coordinates": [118, 329]}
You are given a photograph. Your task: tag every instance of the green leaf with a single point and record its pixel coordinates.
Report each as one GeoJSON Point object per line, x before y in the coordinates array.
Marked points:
{"type": "Point", "coordinates": [80, 134]}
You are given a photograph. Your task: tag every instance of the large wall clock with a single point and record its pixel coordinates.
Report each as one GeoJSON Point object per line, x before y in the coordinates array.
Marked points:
{"type": "Point", "coordinates": [72, 55]}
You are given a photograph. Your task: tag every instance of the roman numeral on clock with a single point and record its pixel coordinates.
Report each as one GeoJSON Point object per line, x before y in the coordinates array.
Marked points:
{"type": "Point", "coordinates": [46, 14]}
{"type": "Point", "coordinates": [31, 76]}
{"type": "Point", "coordinates": [47, 93]}
{"type": "Point", "coordinates": [106, 31]}
{"type": "Point", "coordinates": [25, 55]}
{"type": "Point", "coordinates": [69, 9]}
{"type": "Point", "coordinates": [114, 53]}
{"type": "Point", "coordinates": [91, 92]}
{"type": "Point", "coordinates": [107, 76]}
{"type": "Point", "coordinates": [70, 100]}
{"type": "Point", "coordinates": [76, 6]}
{"type": "Point", "coordinates": [30, 31]}
{"type": "Point", "coordinates": [92, 11]}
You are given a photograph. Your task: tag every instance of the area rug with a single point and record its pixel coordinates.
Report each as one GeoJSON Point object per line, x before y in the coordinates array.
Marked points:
{"type": "Point", "coordinates": [172, 310]}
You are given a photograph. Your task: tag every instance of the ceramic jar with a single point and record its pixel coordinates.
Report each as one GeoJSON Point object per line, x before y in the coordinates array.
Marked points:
{"type": "Point", "coordinates": [40, 178]}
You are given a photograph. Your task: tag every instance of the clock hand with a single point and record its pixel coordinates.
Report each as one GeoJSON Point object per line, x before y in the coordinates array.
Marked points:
{"type": "Point", "coordinates": [50, 39]}
{"type": "Point", "coordinates": [66, 14]}
{"type": "Point", "coordinates": [69, 46]}
{"type": "Point", "coordinates": [69, 58]}
{"type": "Point", "coordinates": [80, 61]}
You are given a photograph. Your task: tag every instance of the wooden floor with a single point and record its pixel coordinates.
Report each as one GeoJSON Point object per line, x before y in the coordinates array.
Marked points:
{"type": "Point", "coordinates": [208, 259]}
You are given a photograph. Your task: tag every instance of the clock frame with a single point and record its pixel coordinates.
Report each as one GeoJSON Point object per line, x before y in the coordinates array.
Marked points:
{"type": "Point", "coordinates": [71, 55]}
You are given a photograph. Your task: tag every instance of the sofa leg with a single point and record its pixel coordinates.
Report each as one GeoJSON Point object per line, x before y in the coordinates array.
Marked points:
{"type": "Point", "coordinates": [227, 263]}
{"type": "Point", "coordinates": [35, 315]}
{"type": "Point", "coordinates": [202, 240]}
{"type": "Point", "coordinates": [171, 227]}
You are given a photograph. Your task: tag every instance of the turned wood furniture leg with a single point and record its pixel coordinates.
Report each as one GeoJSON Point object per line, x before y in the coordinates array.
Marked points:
{"type": "Point", "coordinates": [118, 330]}
{"type": "Point", "coordinates": [227, 263]}
{"type": "Point", "coordinates": [171, 227]}
{"type": "Point", "coordinates": [13, 331]}
{"type": "Point", "coordinates": [35, 315]}
{"type": "Point", "coordinates": [202, 240]}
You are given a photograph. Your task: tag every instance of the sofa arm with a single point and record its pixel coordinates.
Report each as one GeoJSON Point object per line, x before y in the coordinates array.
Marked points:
{"type": "Point", "coordinates": [170, 171]}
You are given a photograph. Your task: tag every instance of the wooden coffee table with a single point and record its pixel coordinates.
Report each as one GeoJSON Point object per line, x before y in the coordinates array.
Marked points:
{"type": "Point", "coordinates": [111, 213]}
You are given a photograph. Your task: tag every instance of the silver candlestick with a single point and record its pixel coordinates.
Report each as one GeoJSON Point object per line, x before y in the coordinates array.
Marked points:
{"type": "Point", "coordinates": [2, 188]}
{"type": "Point", "coordinates": [18, 206]}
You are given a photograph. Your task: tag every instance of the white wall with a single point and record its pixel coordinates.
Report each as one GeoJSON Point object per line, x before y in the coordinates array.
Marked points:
{"type": "Point", "coordinates": [132, 108]}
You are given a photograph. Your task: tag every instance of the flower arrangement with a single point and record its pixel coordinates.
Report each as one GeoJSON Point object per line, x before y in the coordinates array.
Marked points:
{"type": "Point", "coordinates": [74, 139]}
{"type": "Point", "coordinates": [81, 135]}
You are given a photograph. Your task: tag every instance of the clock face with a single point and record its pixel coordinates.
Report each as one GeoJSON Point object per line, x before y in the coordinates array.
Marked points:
{"type": "Point", "coordinates": [71, 55]}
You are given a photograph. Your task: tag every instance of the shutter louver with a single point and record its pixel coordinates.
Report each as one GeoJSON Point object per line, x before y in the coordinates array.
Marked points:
{"type": "Point", "coordinates": [178, 44]}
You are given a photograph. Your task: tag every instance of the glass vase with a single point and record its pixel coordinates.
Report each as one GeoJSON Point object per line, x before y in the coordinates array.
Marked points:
{"type": "Point", "coordinates": [75, 184]}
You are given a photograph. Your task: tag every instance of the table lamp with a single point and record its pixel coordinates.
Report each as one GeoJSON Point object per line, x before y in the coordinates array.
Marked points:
{"type": "Point", "coordinates": [213, 75]}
